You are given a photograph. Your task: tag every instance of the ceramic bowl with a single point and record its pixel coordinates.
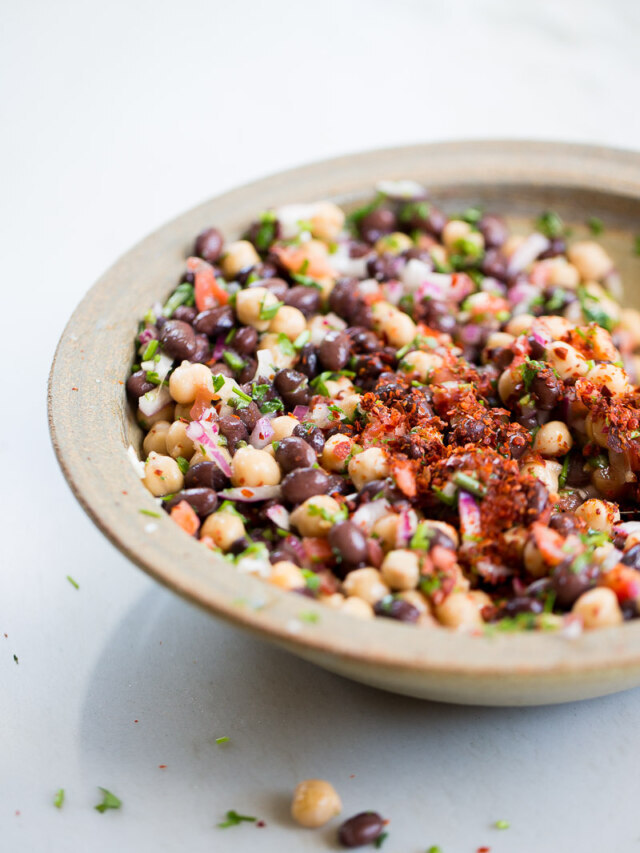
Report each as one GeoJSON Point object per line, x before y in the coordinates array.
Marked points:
{"type": "Point", "coordinates": [92, 426]}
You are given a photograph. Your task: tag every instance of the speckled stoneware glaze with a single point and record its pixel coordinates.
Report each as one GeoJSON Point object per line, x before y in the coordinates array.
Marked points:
{"type": "Point", "coordinates": [92, 426]}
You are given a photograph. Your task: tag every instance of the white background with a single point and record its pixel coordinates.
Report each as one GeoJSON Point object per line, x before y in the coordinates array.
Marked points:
{"type": "Point", "coordinates": [115, 117]}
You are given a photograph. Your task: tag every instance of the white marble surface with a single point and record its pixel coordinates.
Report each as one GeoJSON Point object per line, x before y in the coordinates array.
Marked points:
{"type": "Point", "coordinates": [115, 117]}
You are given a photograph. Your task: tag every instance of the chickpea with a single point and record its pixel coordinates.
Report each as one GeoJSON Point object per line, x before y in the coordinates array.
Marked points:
{"type": "Point", "coordinates": [335, 600]}
{"type": "Point", "coordinates": [182, 411]}
{"type": "Point", "coordinates": [508, 382]}
{"type": "Point", "coordinates": [603, 346]}
{"type": "Point", "coordinates": [279, 358]}
{"type": "Point", "coordinates": [519, 324]}
{"type": "Point", "coordinates": [283, 426]}
{"type": "Point", "coordinates": [630, 322]}
{"type": "Point", "coordinates": [162, 476]}
{"type": "Point", "coordinates": [459, 610]}
{"type": "Point", "coordinates": [288, 321]}
{"type": "Point", "coordinates": [371, 464]}
{"type": "Point", "coordinates": [251, 467]}
{"type": "Point", "coordinates": [400, 569]}
{"type": "Point", "coordinates": [421, 604]}
{"type": "Point", "coordinates": [287, 575]}
{"type": "Point", "coordinates": [599, 515]}
{"type": "Point", "coordinates": [385, 530]}
{"type": "Point", "coordinates": [314, 803]}
{"type": "Point", "coordinates": [178, 442]}
{"type": "Point", "coordinates": [566, 360]}
{"type": "Point", "coordinates": [366, 583]}
{"type": "Point", "coordinates": [453, 231]}
{"type": "Point", "coordinates": [512, 244]}
{"type": "Point", "coordinates": [548, 472]}
{"type": "Point", "coordinates": [327, 221]}
{"type": "Point", "coordinates": [557, 272]}
{"type": "Point", "coordinates": [598, 608]}
{"type": "Point", "coordinates": [438, 254]}
{"type": "Point", "coordinates": [156, 439]}
{"type": "Point", "coordinates": [395, 324]}
{"type": "Point", "coordinates": [555, 326]}
{"type": "Point", "coordinates": [394, 244]}
{"type": "Point", "coordinates": [597, 429]}
{"type": "Point", "coordinates": [238, 256]}
{"type": "Point", "coordinates": [591, 260]}
{"type": "Point", "coordinates": [163, 414]}
{"type": "Point", "coordinates": [553, 439]}
{"type": "Point", "coordinates": [253, 302]}
{"type": "Point", "coordinates": [533, 561]}
{"type": "Point", "coordinates": [498, 339]}
{"type": "Point", "coordinates": [309, 516]}
{"type": "Point", "coordinates": [335, 452]}
{"type": "Point", "coordinates": [319, 325]}
{"type": "Point", "coordinates": [423, 363]}
{"type": "Point", "coordinates": [349, 404]}
{"type": "Point", "coordinates": [224, 528]}
{"type": "Point", "coordinates": [357, 607]}
{"type": "Point", "coordinates": [613, 378]}
{"type": "Point", "coordinates": [187, 379]}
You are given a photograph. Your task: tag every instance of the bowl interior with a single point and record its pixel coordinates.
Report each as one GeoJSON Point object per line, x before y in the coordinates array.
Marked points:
{"type": "Point", "coordinates": [92, 426]}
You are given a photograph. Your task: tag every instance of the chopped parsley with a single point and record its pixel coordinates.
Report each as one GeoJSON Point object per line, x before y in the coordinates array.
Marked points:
{"type": "Point", "coordinates": [529, 370]}
{"type": "Point", "coordinates": [232, 818]}
{"type": "Point", "coordinates": [58, 800]}
{"type": "Point", "coordinates": [182, 295]}
{"type": "Point", "coordinates": [15, 658]}
{"type": "Point", "coordinates": [472, 215]}
{"type": "Point", "coordinates": [183, 464]}
{"type": "Point", "coordinates": [319, 383]}
{"type": "Point", "coordinates": [109, 801]}
{"type": "Point", "coordinates": [267, 229]}
{"type": "Point", "coordinates": [221, 740]}
{"type": "Point", "coordinates": [306, 280]}
{"type": "Point", "coordinates": [286, 347]}
{"type": "Point", "coordinates": [73, 582]}
{"type": "Point", "coordinates": [380, 840]}
{"type": "Point", "coordinates": [595, 225]}
{"type": "Point", "coordinates": [434, 849]}
{"type": "Point", "coordinates": [356, 216]}
{"type": "Point", "coordinates": [414, 210]}
{"type": "Point", "coordinates": [469, 484]}
{"type": "Point", "coordinates": [218, 381]}
{"type": "Point", "coordinates": [593, 311]}
{"type": "Point", "coordinates": [550, 224]}
{"type": "Point", "coordinates": [430, 583]}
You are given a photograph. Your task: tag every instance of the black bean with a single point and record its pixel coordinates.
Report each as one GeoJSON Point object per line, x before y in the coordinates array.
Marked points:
{"type": "Point", "coordinates": [202, 354]}
{"type": "Point", "coordinates": [304, 483]}
{"type": "Point", "coordinates": [377, 489]}
{"type": "Point", "coordinates": [577, 476]}
{"type": "Point", "coordinates": [494, 264]}
{"type": "Point", "coordinates": [537, 498]}
{"type": "Point", "coordinates": [209, 245]}
{"type": "Point", "coordinates": [277, 286]}
{"type": "Point", "coordinates": [312, 434]}
{"type": "Point", "coordinates": [240, 545]}
{"type": "Point", "coordinates": [308, 361]}
{"type": "Point", "coordinates": [178, 339]}
{"type": "Point", "coordinates": [435, 221]}
{"type": "Point", "coordinates": [293, 387]}
{"type": "Point", "coordinates": [215, 321]}
{"type": "Point", "coordinates": [547, 389]}
{"type": "Point", "coordinates": [305, 299]}
{"type": "Point", "coordinates": [341, 485]}
{"type": "Point", "coordinates": [259, 271]}
{"type": "Point", "coordinates": [249, 415]}
{"type": "Point", "coordinates": [343, 296]}
{"type": "Point", "coordinates": [207, 475]}
{"type": "Point", "coordinates": [494, 231]}
{"type": "Point", "coordinates": [247, 373]}
{"type": "Point", "coordinates": [419, 255]}
{"type": "Point", "coordinates": [632, 557]}
{"type": "Point", "coordinates": [334, 350]}
{"type": "Point", "coordinates": [349, 544]}
{"type": "Point", "coordinates": [439, 315]}
{"type": "Point", "coordinates": [223, 368]}
{"type": "Point", "coordinates": [285, 550]}
{"type": "Point", "coordinates": [396, 608]}
{"type": "Point", "coordinates": [186, 313]}
{"type": "Point", "coordinates": [361, 829]}
{"type": "Point", "coordinates": [234, 430]}
{"type": "Point", "coordinates": [564, 522]}
{"type": "Point", "coordinates": [569, 585]}
{"type": "Point", "coordinates": [363, 340]}
{"type": "Point", "coordinates": [294, 452]}
{"type": "Point", "coordinates": [558, 247]}
{"type": "Point", "coordinates": [245, 340]}
{"type": "Point", "coordinates": [138, 385]}
{"type": "Point", "coordinates": [385, 267]}
{"type": "Point", "coordinates": [522, 604]}
{"type": "Point", "coordinates": [377, 223]}
{"type": "Point", "coordinates": [202, 500]}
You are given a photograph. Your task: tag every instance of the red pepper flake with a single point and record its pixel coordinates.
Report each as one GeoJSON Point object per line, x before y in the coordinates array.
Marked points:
{"type": "Point", "coordinates": [74, 388]}
{"type": "Point", "coordinates": [484, 850]}
{"type": "Point", "coordinates": [352, 776]}
{"type": "Point", "coordinates": [125, 492]}
{"type": "Point", "coordinates": [247, 493]}
{"type": "Point", "coordinates": [17, 812]}
{"type": "Point", "coordinates": [260, 823]}
{"type": "Point", "coordinates": [162, 766]}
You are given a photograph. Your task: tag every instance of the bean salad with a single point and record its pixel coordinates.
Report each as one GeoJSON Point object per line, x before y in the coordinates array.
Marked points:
{"type": "Point", "coordinates": [403, 414]}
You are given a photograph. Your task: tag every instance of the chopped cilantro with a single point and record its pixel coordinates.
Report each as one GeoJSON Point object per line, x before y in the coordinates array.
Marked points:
{"type": "Point", "coordinates": [73, 582]}
{"type": "Point", "coordinates": [149, 512]}
{"type": "Point", "coordinates": [230, 507]}
{"type": "Point", "coordinates": [302, 339]}
{"type": "Point", "coordinates": [430, 583]}
{"type": "Point", "coordinates": [502, 824]}
{"type": "Point", "coordinates": [593, 311]}
{"type": "Point", "coordinates": [596, 226]}
{"type": "Point", "coordinates": [562, 479]}
{"type": "Point", "coordinates": [550, 224]}
{"type": "Point", "coordinates": [272, 406]}
{"type": "Point", "coordinates": [182, 295]}
{"type": "Point", "coordinates": [233, 360]}
{"type": "Point", "coordinates": [15, 658]}
{"type": "Point", "coordinates": [109, 801]}
{"type": "Point", "coordinates": [150, 349]}
{"type": "Point", "coordinates": [242, 396]}
{"type": "Point", "coordinates": [309, 616]}
{"type": "Point", "coordinates": [286, 347]}
{"type": "Point", "coordinates": [380, 840]}
{"type": "Point", "coordinates": [269, 312]}
{"type": "Point", "coordinates": [356, 216]}
{"type": "Point", "coordinates": [449, 500]}
{"type": "Point", "coordinates": [636, 245]}
{"type": "Point", "coordinates": [469, 484]}
{"type": "Point", "coordinates": [223, 739]}
{"type": "Point", "coordinates": [183, 464]}
{"type": "Point", "coordinates": [434, 849]}
{"type": "Point", "coordinates": [421, 539]}
{"type": "Point", "coordinates": [319, 383]}
{"type": "Point", "coordinates": [218, 381]}
{"type": "Point", "coordinates": [556, 300]}
{"type": "Point", "coordinates": [58, 800]}
{"type": "Point", "coordinates": [472, 215]}
{"type": "Point", "coordinates": [333, 517]}
{"type": "Point", "coordinates": [311, 579]}
{"type": "Point", "coordinates": [414, 210]}
{"type": "Point", "coordinates": [233, 819]}
{"type": "Point", "coordinates": [267, 230]}
{"type": "Point", "coordinates": [470, 249]}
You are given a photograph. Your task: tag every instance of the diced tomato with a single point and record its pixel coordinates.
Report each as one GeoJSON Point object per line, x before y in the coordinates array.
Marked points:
{"type": "Point", "coordinates": [201, 403]}
{"type": "Point", "coordinates": [443, 558]}
{"type": "Point", "coordinates": [304, 259]}
{"type": "Point", "coordinates": [185, 517]}
{"type": "Point", "coordinates": [405, 478]}
{"type": "Point", "coordinates": [208, 293]}
{"type": "Point", "coordinates": [624, 581]}
{"type": "Point", "coordinates": [318, 550]}
{"type": "Point", "coordinates": [550, 543]}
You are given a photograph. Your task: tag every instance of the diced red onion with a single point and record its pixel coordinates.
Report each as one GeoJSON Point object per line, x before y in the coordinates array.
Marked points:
{"type": "Point", "coordinates": [470, 521]}
{"type": "Point", "coordinates": [146, 335]}
{"type": "Point", "coordinates": [527, 252]}
{"type": "Point", "coordinates": [540, 336]}
{"type": "Point", "coordinates": [203, 432]}
{"type": "Point", "coordinates": [471, 334]}
{"type": "Point", "coordinates": [250, 494]}
{"type": "Point", "coordinates": [492, 285]}
{"type": "Point", "coordinates": [262, 433]}
{"type": "Point", "coordinates": [151, 402]}
{"type": "Point", "coordinates": [393, 291]}
{"type": "Point", "coordinates": [300, 412]}
{"type": "Point", "coordinates": [522, 294]}
{"type": "Point", "coordinates": [279, 515]}
{"type": "Point", "coordinates": [218, 348]}
{"type": "Point", "coordinates": [367, 514]}
{"type": "Point", "coordinates": [416, 272]}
